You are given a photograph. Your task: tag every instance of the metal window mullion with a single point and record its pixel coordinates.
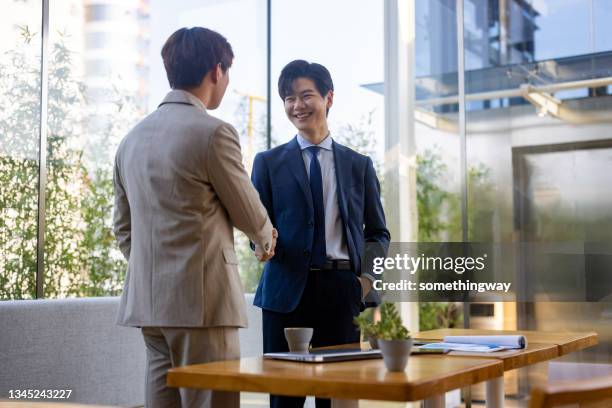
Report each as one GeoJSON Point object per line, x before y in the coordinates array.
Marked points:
{"type": "Point", "coordinates": [467, 392]}
{"type": "Point", "coordinates": [462, 140]}
{"type": "Point", "coordinates": [42, 155]}
{"type": "Point", "coordinates": [462, 133]}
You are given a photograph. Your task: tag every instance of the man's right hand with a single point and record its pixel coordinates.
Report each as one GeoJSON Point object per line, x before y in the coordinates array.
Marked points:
{"type": "Point", "coordinates": [262, 255]}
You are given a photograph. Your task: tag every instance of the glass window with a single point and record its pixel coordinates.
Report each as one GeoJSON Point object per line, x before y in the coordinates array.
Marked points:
{"type": "Point", "coordinates": [602, 30]}
{"type": "Point", "coordinates": [101, 12]}
{"type": "Point", "coordinates": [243, 23]}
{"type": "Point", "coordinates": [106, 74]}
{"type": "Point", "coordinates": [436, 131]}
{"type": "Point", "coordinates": [536, 175]}
{"type": "Point", "coordinates": [352, 49]}
{"type": "Point", "coordinates": [98, 68]}
{"type": "Point", "coordinates": [550, 41]}
{"type": "Point", "coordinates": [96, 40]}
{"type": "Point", "coordinates": [20, 80]}
{"type": "Point", "coordinates": [84, 128]}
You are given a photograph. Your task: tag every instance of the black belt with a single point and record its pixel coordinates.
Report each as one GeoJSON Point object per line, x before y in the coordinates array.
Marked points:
{"type": "Point", "coordinates": [334, 265]}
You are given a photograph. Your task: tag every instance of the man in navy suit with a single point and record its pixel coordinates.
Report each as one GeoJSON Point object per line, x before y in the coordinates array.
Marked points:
{"type": "Point", "coordinates": [324, 200]}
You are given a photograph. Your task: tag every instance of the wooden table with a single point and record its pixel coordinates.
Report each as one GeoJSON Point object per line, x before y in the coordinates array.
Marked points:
{"type": "Point", "coordinates": [511, 359]}
{"type": "Point", "coordinates": [427, 377]}
{"type": "Point", "coordinates": [541, 346]}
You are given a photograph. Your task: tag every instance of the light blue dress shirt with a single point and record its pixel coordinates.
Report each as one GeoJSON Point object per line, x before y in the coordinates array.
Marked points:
{"type": "Point", "coordinates": [335, 243]}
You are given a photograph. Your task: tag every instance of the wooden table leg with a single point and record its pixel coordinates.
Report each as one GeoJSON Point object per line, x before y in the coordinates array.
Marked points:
{"type": "Point", "coordinates": [437, 401]}
{"type": "Point", "coordinates": [495, 393]}
{"type": "Point", "coordinates": [344, 403]}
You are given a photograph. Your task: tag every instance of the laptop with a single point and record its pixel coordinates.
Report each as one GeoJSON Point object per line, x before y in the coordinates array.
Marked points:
{"type": "Point", "coordinates": [325, 356]}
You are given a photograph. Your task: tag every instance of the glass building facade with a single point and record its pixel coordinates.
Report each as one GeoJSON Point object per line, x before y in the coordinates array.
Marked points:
{"type": "Point", "coordinates": [513, 118]}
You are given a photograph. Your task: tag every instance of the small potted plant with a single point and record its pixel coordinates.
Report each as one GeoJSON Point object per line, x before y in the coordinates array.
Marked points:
{"type": "Point", "coordinates": [367, 327]}
{"type": "Point", "coordinates": [393, 338]}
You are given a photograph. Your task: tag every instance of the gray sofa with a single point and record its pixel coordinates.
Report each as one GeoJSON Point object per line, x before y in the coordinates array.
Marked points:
{"type": "Point", "coordinates": [75, 344]}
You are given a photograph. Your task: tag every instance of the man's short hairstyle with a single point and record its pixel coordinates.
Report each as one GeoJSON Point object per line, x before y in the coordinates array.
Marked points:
{"type": "Point", "coordinates": [304, 69]}
{"type": "Point", "coordinates": [190, 53]}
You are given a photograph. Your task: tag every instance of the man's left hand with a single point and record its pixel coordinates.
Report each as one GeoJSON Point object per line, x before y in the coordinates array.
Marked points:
{"type": "Point", "coordinates": [366, 286]}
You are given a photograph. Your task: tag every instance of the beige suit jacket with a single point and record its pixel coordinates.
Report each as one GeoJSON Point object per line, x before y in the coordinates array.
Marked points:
{"type": "Point", "coordinates": [180, 188]}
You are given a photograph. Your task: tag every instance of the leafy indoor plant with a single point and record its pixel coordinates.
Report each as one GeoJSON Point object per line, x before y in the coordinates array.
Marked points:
{"type": "Point", "coordinates": [391, 335]}
{"type": "Point", "coordinates": [365, 322]}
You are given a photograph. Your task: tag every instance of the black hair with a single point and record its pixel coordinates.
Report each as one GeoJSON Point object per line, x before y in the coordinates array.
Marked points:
{"type": "Point", "coordinates": [304, 69]}
{"type": "Point", "coordinates": [190, 53]}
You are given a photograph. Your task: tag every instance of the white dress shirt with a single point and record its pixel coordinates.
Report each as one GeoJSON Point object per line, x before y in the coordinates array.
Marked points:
{"type": "Point", "coordinates": [335, 242]}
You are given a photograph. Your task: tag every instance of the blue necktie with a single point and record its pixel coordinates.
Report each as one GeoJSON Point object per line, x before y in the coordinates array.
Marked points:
{"type": "Point", "coordinates": [319, 254]}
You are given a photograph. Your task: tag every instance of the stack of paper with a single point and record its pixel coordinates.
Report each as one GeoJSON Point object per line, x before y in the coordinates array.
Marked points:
{"type": "Point", "coordinates": [479, 344]}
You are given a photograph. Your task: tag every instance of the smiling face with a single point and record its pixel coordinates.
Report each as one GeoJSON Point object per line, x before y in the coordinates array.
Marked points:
{"type": "Point", "coordinates": [307, 109]}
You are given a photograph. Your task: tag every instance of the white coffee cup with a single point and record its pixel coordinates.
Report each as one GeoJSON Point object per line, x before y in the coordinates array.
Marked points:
{"type": "Point", "coordinates": [298, 338]}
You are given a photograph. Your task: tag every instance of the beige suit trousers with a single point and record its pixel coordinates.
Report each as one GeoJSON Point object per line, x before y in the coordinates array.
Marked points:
{"type": "Point", "coordinates": [174, 347]}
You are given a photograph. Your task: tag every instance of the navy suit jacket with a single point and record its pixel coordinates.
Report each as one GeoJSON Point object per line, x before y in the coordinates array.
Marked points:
{"type": "Point", "coordinates": [280, 177]}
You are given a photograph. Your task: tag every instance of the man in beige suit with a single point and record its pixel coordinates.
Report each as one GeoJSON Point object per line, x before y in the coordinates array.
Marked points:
{"type": "Point", "coordinates": [180, 188]}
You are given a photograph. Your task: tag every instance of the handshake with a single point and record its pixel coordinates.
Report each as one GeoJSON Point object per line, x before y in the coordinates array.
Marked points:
{"type": "Point", "coordinates": [262, 255]}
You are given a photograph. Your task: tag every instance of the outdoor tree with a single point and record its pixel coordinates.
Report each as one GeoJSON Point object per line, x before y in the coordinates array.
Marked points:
{"type": "Point", "coordinates": [439, 219]}
{"type": "Point", "coordinates": [80, 254]}
{"type": "Point", "coordinates": [19, 119]}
